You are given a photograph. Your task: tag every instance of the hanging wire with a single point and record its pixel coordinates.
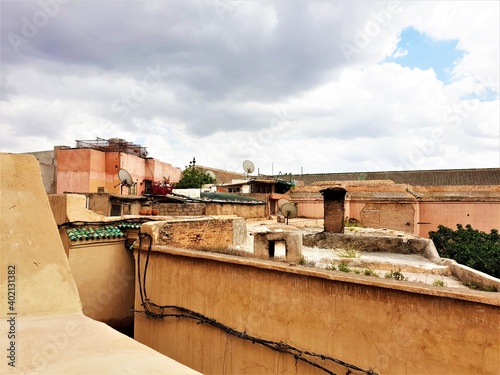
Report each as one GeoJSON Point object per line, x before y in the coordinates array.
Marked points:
{"type": "Point", "coordinates": [155, 311]}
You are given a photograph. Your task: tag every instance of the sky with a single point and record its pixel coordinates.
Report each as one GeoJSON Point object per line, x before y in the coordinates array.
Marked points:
{"type": "Point", "coordinates": [295, 86]}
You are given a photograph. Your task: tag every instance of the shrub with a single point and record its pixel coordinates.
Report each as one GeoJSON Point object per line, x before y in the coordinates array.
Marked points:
{"type": "Point", "coordinates": [343, 267]}
{"type": "Point", "coordinates": [370, 272]}
{"type": "Point", "coordinates": [395, 274]}
{"type": "Point", "coordinates": [439, 283]}
{"type": "Point", "coordinates": [470, 247]}
{"type": "Point", "coordinates": [477, 286]}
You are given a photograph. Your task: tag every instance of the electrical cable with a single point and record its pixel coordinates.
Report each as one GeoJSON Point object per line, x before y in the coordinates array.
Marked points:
{"type": "Point", "coordinates": [182, 312]}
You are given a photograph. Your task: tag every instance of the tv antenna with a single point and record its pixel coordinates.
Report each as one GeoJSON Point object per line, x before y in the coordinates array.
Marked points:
{"type": "Point", "coordinates": [248, 167]}
{"type": "Point", "coordinates": [125, 180]}
{"type": "Point", "coordinates": [289, 210]}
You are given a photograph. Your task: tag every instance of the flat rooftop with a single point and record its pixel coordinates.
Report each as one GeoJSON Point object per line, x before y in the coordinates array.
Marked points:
{"type": "Point", "coordinates": [414, 267]}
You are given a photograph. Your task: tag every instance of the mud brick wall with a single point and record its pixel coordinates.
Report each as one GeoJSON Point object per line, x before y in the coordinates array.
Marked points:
{"type": "Point", "coordinates": [397, 216]}
{"type": "Point", "coordinates": [247, 211]}
{"type": "Point", "coordinates": [99, 203]}
{"type": "Point", "coordinates": [181, 209]}
{"type": "Point", "coordinates": [334, 209]}
{"type": "Point", "coordinates": [208, 233]}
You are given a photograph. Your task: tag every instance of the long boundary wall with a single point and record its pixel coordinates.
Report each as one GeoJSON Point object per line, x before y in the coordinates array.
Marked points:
{"type": "Point", "coordinates": [387, 326]}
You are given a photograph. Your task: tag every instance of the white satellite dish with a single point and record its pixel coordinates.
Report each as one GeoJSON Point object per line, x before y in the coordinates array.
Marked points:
{"type": "Point", "coordinates": [281, 202]}
{"type": "Point", "coordinates": [248, 167]}
{"type": "Point", "coordinates": [125, 178]}
{"type": "Point", "coordinates": [289, 210]}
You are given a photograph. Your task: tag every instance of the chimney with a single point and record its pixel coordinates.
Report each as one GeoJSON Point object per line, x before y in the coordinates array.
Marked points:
{"type": "Point", "coordinates": [334, 209]}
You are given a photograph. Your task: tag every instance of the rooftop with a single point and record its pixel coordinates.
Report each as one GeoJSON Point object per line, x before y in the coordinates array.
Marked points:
{"type": "Point", "coordinates": [483, 176]}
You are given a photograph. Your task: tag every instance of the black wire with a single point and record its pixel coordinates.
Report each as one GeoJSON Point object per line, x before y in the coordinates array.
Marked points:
{"type": "Point", "coordinates": [183, 312]}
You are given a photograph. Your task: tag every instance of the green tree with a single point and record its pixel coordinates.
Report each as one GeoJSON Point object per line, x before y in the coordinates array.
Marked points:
{"type": "Point", "coordinates": [193, 177]}
{"type": "Point", "coordinates": [470, 247]}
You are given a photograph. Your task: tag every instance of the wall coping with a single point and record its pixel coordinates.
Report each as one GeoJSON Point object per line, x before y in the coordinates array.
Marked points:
{"type": "Point", "coordinates": [488, 298]}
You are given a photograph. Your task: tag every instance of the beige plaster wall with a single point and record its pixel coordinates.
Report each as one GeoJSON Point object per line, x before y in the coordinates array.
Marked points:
{"type": "Point", "coordinates": [43, 330]}
{"type": "Point", "coordinates": [103, 270]}
{"type": "Point", "coordinates": [27, 227]}
{"type": "Point", "coordinates": [104, 274]}
{"type": "Point", "coordinates": [390, 327]}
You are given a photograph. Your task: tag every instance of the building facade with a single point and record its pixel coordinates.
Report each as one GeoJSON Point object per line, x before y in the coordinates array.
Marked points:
{"type": "Point", "coordinates": [93, 166]}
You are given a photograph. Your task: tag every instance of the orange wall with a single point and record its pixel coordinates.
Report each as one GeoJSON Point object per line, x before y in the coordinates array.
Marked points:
{"type": "Point", "coordinates": [73, 170]}
{"type": "Point", "coordinates": [160, 170]}
{"type": "Point", "coordinates": [85, 170]}
{"type": "Point", "coordinates": [483, 216]}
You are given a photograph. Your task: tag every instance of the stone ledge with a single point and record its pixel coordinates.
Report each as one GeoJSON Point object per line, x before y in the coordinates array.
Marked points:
{"type": "Point", "coordinates": [76, 344]}
{"type": "Point", "coordinates": [405, 286]}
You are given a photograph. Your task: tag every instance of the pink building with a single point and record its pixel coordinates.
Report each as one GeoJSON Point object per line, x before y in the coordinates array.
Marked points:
{"type": "Point", "coordinates": [92, 166]}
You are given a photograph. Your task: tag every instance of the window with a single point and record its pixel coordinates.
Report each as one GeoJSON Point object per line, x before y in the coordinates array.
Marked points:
{"type": "Point", "coordinates": [148, 186]}
{"type": "Point", "coordinates": [116, 209]}
{"type": "Point", "coordinates": [262, 188]}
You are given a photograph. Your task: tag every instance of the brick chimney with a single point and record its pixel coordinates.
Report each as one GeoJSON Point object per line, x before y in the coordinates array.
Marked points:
{"type": "Point", "coordinates": [334, 209]}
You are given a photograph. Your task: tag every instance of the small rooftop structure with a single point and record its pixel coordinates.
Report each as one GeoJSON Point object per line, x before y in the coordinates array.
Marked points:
{"type": "Point", "coordinates": [113, 145]}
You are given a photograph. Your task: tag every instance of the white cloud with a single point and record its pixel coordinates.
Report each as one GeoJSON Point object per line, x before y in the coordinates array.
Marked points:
{"type": "Point", "coordinates": [266, 81]}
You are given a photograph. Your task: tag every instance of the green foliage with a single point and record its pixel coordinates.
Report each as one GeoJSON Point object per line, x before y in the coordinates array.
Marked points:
{"type": "Point", "coordinates": [343, 267]}
{"type": "Point", "coordinates": [395, 274]}
{"type": "Point", "coordinates": [470, 247]}
{"type": "Point", "coordinates": [348, 253]}
{"type": "Point", "coordinates": [370, 272]}
{"type": "Point", "coordinates": [302, 260]}
{"type": "Point", "coordinates": [193, 177]}
{"type": "Point", "coordinates": [350, 223]}
{"type": "Point", "coordinates": [438, 282]}
{"type": "Point", "coordinates": [477, 286]}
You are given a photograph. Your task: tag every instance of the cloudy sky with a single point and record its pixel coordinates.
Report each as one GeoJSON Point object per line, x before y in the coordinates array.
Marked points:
{"type": "Point", "coordinates": [294, 86]}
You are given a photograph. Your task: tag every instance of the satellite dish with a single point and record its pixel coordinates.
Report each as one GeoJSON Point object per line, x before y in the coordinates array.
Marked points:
{"type": "Point", "coordinates": [210, 174]}
{"type": "Point", "coordinates": [281, 202]}
{"type": "Point", "coordinates": [248, 167]}
{"type": "Point", "coordinates": [125, 178]}
{"type": "Point", "coordinates": [289, 210]}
